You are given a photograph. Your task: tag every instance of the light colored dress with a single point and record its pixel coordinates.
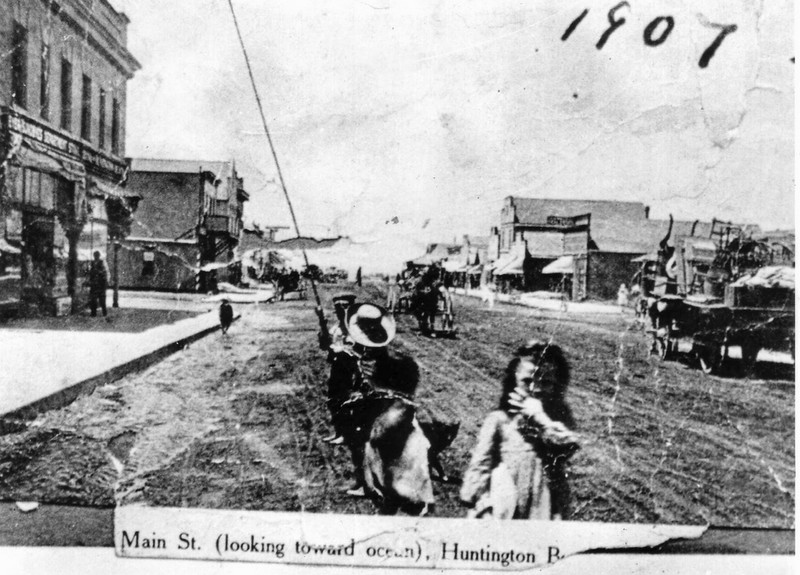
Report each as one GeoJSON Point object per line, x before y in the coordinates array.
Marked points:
{"type": "Point", "coordinates": [508, 479]}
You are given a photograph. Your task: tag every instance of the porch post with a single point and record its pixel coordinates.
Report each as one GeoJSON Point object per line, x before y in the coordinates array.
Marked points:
{"type": "Point", "coordinates": [115, 278]}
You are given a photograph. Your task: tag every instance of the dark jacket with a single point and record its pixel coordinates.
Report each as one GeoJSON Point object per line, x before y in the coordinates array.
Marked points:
{"type": "Point", "coordinates": [98, 276]}
{"type": "Point", "coordinates": [391, 372]}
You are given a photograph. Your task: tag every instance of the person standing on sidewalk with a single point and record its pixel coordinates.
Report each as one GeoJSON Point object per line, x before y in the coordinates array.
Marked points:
{"type": "Point", "coordinates": [98, 284]}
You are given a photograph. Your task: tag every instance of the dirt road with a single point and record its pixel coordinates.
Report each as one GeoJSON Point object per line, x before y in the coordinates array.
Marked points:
{"type": "Point", "coordinates": [236, 422]}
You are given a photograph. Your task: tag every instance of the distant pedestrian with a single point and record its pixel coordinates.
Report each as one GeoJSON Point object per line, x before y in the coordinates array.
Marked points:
{"type": "Point", "coordinates": [393, 293]}
{"type": "Point", "coordinates": [488, 294]}
{"type": "Point", "coordinates": [358, 277]}
{"type": "Point", "coordinates": [623, 296]}
{"type": "Point", "coordinates": [98, 284]}
{"type": "Point", "coordinates": [225, 316]}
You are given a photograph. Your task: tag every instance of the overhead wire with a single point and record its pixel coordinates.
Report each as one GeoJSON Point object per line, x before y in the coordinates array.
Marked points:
{"type": "Point", "coordinates": [319, 311]}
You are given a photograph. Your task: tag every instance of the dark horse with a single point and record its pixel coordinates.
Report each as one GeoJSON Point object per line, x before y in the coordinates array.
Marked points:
{"type": "Point", "coordinates": [425, 301]}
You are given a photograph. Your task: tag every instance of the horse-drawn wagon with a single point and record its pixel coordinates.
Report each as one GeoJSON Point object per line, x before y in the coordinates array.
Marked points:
{"type": "Point", "coordinates": [427, 298]}
{"type": "Point", "coordinates": [707, 296]}
{"type": "Point", "coordinates": [287, 283]}
{"type": "Point", "coordinates": [707, 331]}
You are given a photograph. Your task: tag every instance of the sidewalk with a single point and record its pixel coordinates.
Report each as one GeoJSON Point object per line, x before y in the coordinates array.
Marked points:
{"type": "Point", "coordinates": [529, 300]}
{"type": "Point", "coordinates": [46, 368]}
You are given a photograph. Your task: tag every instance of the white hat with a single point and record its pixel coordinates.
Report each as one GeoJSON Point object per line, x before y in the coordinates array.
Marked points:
{"type": "Point", "coordinates": [370, 325]}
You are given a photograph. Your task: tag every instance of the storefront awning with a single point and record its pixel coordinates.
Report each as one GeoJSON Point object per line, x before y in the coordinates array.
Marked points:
{"type": "Point", "coordinates": [475, 270]}
{"type": "Point", "coordinates": [562, 265]}
{"type": "Point", "coordinates": [7, 248]}
{"type": "Point", "coordinates": [513, 267]}
{"type": "Point", "coordinates": [107, 190]}
{"type": "Point", "coordinates": [33, 155]}
{"type": "Point", "coordinates": [453, 266]}
{"type": "Point", "coordinates": [500, 263]}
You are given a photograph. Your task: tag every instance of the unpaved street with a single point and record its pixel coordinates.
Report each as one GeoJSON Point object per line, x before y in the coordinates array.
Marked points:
{"type": "Point", "coordinates": [236, 421]}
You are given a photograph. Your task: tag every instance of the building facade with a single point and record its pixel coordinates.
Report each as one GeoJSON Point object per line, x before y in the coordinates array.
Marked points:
{"type": "Point", "coordinates": [187, 227]}
{"type": "Point", "coordinates": [585, 248]}
{"type": "Point", "coordinates": [62, 134]}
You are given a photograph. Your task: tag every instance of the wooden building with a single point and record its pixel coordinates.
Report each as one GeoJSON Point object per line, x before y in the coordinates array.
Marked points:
{"type": "Point", "coordinates": [187, 227]}
{"type": "Point", "coordinates": [583, 247]}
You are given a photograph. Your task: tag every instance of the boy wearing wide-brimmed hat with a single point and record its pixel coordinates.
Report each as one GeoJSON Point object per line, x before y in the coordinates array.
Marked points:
{"type": "Point", "coordinates": [365, 369]}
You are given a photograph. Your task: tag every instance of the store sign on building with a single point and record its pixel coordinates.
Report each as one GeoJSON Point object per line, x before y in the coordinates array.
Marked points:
{"type": "Point", "coordinates": [94, 160]}
{"type": "Point", "coordinates": [40, 134]}
{"type": "Point", "coordinates": [568, 222]}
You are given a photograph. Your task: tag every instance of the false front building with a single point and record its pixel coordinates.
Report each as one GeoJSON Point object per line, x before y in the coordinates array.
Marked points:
{"type": "Point", "coordinates": [63, 79]}
{"type": "Point", "coordinates": [187, 227]}
{"type": "Point", "coordinates": [584, 248]}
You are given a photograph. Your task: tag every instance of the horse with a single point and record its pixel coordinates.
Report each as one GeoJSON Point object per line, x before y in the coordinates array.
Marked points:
{"type": "Point", "coordinates": [428, 291]}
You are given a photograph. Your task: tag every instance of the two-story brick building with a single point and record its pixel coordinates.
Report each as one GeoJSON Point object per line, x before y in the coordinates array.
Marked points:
{"type": "Point", "coordinates": [187, 227]}
{"type": "Point", "coordinates": [63, 79]}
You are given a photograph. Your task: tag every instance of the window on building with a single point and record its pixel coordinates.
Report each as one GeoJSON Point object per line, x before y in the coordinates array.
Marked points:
{"type": "Point", "coordinates": [38, 189]}
{"type": "Point", "coordinates": [19, 65]}
{"type": "Point", "coordinates": [86, 108]}
{"type": "Point", "coordinates": [14, 183]}
{"type": "Point", "coordinates": [101, 112]}
{"type": "Point", "coordinates": [115, 126]}
{"type": "Point", "coordinates": [44, 82]}
{"type": "Point", "coordinates": [66, 94]}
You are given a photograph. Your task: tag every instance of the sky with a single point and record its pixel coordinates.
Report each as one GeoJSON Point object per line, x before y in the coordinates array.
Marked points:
{"type": "Point", "coordinates": [403, 123]}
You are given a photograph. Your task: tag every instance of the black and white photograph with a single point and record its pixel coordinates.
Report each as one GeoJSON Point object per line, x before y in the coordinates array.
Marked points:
{"type": "Point", "coordinates": [516, 264]}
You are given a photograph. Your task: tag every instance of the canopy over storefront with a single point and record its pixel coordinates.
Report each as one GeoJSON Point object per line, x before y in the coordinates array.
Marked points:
{"type": "Point", "coordinates": [7, 248]}
{"type": "Point", "coordinates": [454, 266]}
{"type": "Point", "coordinates": [500, 263]}
{"type": "Point", "coordinates": [31, 154]}
{"type": "Point", "coordinates": [511, 266]}
{"type": "Point", "coordinates": [563, 265]}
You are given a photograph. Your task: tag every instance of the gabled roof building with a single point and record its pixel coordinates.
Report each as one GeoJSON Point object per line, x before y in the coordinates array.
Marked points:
{"type": "Point", "coordinates": [584, 247]}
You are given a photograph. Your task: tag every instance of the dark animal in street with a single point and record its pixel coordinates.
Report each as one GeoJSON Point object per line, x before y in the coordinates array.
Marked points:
{"type": "Point", "coordinates": [396, 468]}
{"type": "Point", "coordinates": [225, 315]}
{"type": "Point", "coordinates": [441, 435]}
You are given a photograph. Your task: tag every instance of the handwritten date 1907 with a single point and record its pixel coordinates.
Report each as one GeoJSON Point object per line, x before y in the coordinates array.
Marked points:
{"type": "Point", "coordinates": [655, 33]}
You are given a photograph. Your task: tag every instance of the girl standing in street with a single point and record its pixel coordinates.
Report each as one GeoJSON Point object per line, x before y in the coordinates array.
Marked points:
{"type": "Point", "coordinates": [519, 465]}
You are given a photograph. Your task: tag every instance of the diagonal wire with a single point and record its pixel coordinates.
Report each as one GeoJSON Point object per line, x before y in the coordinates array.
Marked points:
{"type": "Point", "coordinates": [274, 154]}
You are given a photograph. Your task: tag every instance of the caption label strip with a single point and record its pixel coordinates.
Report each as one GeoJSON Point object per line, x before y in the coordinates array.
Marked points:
{"type": "Point", "coordinates": [352, 540]}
